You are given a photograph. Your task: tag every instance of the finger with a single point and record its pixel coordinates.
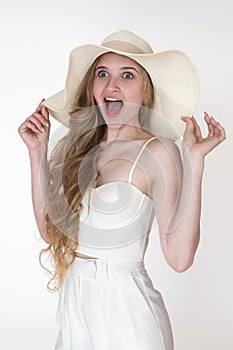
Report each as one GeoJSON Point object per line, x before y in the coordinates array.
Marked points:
{"type": "Point", "coordinates": [217, 131]}
{"type": "Point", "coordinates": [45, 113]}
{"type": "Point", "coordinates": [221, 129]}
{"type": "Point", "coordinates": [41, 117]}
{"type": "Point", "coordinates": [31, 126]}
{"type": "Point", "coordinates": [189, 124]}
{"type": "Point", "coordinates": [209, 124]}
{"type": "Point", "coordinates": [215, 127]}
{"type": "Point", "coordinates": [197, 128]}
{"type": "Point", "coordinates": [207, 117]}
{"type": "Point", "coordinates": [38, 109]}
{"type": "Point", "coordinates": [205, 113]}
{"type": "Point", "coordinates": [221, 132]}
{"type": "Point", "coordinates": [33, 119]}
{"type": "Point", "coordinates": [211, 130]}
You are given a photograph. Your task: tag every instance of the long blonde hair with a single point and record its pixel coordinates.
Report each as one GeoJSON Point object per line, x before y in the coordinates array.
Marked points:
{"type": "Point", "coordinates": [72, 170]}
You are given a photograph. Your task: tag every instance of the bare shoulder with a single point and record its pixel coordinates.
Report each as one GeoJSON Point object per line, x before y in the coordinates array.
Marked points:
{"type": "Point", "coordinates": [166, 161]}
{"type": "Point", "coordinates": [164, 149]}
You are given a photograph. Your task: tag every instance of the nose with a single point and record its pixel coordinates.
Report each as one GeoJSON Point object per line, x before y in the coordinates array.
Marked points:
{"type": "Point", "coordinates": [113, 84]}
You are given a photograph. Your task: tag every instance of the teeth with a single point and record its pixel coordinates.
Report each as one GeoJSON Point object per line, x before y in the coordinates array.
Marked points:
{"type": "Point", "coordinates": [110, 99]}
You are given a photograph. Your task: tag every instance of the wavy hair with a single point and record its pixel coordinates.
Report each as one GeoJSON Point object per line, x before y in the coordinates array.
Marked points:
{"type": "Point", "coordinates": [72, 171]}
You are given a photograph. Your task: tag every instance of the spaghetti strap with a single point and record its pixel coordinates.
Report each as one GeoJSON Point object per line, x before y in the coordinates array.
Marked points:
{"type": "Point", "coordinates": [138, 156]}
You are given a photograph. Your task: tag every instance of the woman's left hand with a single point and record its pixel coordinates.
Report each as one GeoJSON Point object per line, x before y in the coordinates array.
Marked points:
{"type": "Point", "coordinates": [193, 140]}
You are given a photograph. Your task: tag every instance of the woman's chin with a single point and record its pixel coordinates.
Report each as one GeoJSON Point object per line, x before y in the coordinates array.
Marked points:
{"type": "Point", "coordinates": [114, 124]}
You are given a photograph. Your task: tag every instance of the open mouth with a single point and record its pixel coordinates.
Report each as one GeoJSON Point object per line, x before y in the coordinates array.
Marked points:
{"type": "Point", "coordinates": [113, 105]}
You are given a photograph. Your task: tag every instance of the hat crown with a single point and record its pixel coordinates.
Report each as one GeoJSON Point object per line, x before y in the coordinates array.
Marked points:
{"type": "Point", "coordinates": [126, 41]}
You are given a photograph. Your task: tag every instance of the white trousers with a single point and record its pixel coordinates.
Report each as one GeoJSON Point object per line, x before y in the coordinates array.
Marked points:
{"type": "Point", "coordinates": [111, 305]}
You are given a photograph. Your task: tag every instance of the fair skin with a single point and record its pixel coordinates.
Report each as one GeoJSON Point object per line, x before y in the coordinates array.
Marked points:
{"type": "Point", "coordinates": [178, 204]}
{"type": "Point", "coordinates": [119, 78]}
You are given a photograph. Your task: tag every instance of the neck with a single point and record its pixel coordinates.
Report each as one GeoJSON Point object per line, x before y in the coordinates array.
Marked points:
{"type": "Point", "coordinates": [123, 131]}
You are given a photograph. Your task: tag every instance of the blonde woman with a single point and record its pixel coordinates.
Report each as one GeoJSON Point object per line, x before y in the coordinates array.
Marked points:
{"type": "Point", "coordinates": [116, 173]}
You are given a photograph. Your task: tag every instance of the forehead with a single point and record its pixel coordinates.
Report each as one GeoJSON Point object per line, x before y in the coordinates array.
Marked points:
{"type": "Point", "coordinates": [112, 58]}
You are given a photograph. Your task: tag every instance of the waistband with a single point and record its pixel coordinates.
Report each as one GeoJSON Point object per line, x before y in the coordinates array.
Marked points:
{"type": "Point", "coordinates": [104, 268]}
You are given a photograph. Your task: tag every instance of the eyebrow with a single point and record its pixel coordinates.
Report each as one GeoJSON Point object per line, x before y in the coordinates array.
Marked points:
{"type": "Point", "coordinates": [101, 67]}
{"type": "Point", "coordinates": [126, 68]}
{"type": "Point", "coordinates": [122, 68]}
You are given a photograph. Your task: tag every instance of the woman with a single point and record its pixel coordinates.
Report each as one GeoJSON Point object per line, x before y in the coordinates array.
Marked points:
{"type": "Point", "coordinates": [117, 168]}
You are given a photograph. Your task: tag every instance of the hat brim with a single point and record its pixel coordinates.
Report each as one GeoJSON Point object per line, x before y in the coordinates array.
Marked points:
{"type": "Point", "coordinates": [172, 72]}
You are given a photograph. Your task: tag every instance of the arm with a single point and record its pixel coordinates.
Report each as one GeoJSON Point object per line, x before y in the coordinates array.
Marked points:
{"type": "Point", "coordinates": [177, 192]}
{"type": "Point", "coordinates": [38, 162]}
{"type": "Point", "coordinates": [35, 133]}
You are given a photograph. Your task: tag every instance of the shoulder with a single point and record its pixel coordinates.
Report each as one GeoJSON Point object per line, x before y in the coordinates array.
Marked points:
{"type": "Point", "coordinates": [166, 159]}
{"type": "Point", "coordinates": [163, 148]}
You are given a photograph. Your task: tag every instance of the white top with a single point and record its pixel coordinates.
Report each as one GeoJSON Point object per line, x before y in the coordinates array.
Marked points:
{"type": "Point", "coordinates": [119, 220]}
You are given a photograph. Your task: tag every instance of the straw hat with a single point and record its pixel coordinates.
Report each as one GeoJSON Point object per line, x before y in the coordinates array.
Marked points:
{"type": "Point", "coordinates": [172, 72]}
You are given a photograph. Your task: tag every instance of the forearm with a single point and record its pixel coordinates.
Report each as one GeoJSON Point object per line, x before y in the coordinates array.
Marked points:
{"type": "Point", "coordinates": [184, 228]}
{"type": "Point", "coordinates": [39, 185]}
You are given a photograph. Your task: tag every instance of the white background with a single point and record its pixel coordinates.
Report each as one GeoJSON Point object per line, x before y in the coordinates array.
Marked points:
{"type": "Point", "coordinates": [36, 38]}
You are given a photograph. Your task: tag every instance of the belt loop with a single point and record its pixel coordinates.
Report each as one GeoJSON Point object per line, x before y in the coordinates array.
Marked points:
{"type": "Point", "coordinates": [96, 268]}
{"type": "Point", "coordinates": [107, 269]}
{"type": "Point", "coordinates": [101, 268]}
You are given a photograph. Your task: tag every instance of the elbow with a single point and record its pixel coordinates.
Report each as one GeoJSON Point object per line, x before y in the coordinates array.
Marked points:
{"type": "Point", "coordinates": [47, 240]}
{"type": "Point", "coordinates": [181, 266]}
{"type": "Point", "coordinates": [181, 259]}
{"type": "Point", "coordinates": [43, 232]}
{"type": "Point", "coordinates": [45, 236]}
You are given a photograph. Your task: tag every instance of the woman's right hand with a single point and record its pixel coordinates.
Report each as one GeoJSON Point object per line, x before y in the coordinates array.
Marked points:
{"type": "Point", "coordinates": [35, 129]}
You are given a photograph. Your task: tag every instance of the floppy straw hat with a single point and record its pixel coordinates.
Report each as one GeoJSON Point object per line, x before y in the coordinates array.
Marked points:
{"type": "Point", "coordinates": [173, 75]}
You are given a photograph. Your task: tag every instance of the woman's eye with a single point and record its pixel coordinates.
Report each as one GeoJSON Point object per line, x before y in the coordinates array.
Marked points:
{"type": "Point", "coordinates": [102, 74]}
{"type": "Point", "coordinates": [128, 75]}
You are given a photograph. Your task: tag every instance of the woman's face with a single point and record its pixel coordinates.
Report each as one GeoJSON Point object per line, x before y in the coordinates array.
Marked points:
{"type": "Point", "coordinates": [118, 86]}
